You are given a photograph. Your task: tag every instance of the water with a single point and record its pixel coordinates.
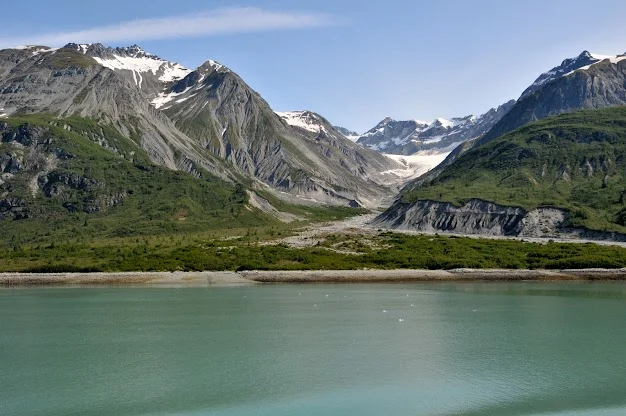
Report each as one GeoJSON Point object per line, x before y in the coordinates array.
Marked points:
{"type": "Point", "coordinates": [439, 349]}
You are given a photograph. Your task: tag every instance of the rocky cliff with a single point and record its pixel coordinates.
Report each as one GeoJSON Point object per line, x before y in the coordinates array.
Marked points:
{"type": "Point", "coordinates": [478, 217]}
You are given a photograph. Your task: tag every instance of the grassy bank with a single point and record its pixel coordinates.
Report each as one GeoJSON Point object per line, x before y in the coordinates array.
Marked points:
{"type": "Point", "coordinates": [250, 251]}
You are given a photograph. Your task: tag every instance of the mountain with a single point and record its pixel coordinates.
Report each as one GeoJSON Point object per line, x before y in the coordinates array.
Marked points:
{"type": "Point", "coordinates": [587, 81]}
{"type": "Point", "coordinates": [206, 119]}
{"type": "Point", "coordinates": [350, 134]}
{"type": "Point", "coordinates": [441, 135]}
{"type": "Point", "coordinates": [216, 107]}
{"type": "Point", "coordinates": [562, 176]}
{"type": "Point", "coordinates": [72, 178]}
{"type": "Point", "coordinates": [583, 61]}
{"type": "Point", "coordinates": [67, 82]}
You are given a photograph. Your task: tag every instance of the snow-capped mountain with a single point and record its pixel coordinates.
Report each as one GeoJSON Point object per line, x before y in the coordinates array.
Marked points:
{"type": "Point", "coordinates": [199, 121]}
{"type": "Point", "coordinates": [136, 60]}
{"type": "Point", "coordinates": [147, 71]}
{"type": "Point", "coordinates": [441, 135]}
{"type": "Point", "coordinates": [584, 61]}
{"type": "Point", "coordinates": [587, 81]}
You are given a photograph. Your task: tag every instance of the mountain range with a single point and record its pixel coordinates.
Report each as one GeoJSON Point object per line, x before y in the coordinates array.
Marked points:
{"type": "Point", "coordinates": [439, 136]}
{"type": "Point", "coordinates": [69, 115]}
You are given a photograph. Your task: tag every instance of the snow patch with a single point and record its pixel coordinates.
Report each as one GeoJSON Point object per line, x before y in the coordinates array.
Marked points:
{"type": "Point", "coordinates": [302, 119]}
{"type": "Point", "coordinates": [380, 147]}
{"type": "Point", "coordinates": [164, 98]}
{"type": "Point", "coordinates": [35, 50]}
{"type": "Point", "coordinates": [217, 66]}
{"type": "Point", "coordinates": [167, 71]}
{"type": "Point", "coordinates": [448, 124]}
{"type": "Point", "coordinates": [182, 100]}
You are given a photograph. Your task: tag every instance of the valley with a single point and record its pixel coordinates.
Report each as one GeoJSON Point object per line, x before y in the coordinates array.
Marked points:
{"type": "Point", "coordinates": [115, 159]}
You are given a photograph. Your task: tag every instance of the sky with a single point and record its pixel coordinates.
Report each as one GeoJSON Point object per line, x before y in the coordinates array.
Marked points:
{"type": "Point", "coordinates": [353, 61]}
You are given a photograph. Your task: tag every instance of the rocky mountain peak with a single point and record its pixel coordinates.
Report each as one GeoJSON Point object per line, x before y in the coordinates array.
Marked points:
{"type": "Point", "coordinates": [583, 61]}
{"type": "Point", "coordinates": [106, 52]}
{"type": "Point", "coordinates": [211, 66]}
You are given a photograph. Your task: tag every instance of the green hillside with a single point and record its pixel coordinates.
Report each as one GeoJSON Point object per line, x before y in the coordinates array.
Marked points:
{"type": "Point", "coordinates": [72, 178]}
{"type": "Point", "coordinates": [575, 161]}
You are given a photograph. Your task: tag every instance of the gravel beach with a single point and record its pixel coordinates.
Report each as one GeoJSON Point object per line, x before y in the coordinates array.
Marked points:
{"type": "Point", "coordinates": [321, 276]}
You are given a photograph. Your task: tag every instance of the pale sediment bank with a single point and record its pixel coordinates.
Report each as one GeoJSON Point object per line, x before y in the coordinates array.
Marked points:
{"type": "Point", "coordinates": [129, 278]}
{"type": "Point", "coordinates": [319, 276]}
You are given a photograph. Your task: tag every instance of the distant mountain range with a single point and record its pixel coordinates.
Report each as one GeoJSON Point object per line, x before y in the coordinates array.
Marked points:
{"type": "Point", "coordinates": [439, 136]}
{"type": "Point", "coordinates": [105, 132]}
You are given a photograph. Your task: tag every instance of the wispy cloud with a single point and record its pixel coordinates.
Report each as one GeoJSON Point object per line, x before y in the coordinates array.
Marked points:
{"type": "Point", "coordinates": [216, 22]}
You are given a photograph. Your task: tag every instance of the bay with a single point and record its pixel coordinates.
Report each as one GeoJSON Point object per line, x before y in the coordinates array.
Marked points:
{"type": "Point", "coordinates": [372, 349]}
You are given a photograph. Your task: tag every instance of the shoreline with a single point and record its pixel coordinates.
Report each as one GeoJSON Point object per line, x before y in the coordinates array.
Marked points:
{"type": "Point", "coordinates": [314, 276]}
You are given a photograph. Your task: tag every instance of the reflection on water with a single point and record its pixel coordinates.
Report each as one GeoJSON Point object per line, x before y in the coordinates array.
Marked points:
{"type": "Point", "coordinates": [396, 349]}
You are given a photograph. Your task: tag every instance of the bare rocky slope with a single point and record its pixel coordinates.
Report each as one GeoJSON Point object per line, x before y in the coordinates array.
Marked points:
{"type": "Point", "coordinates": [489, 219]}
{"type": "Point", "coordinates": [66, 82]}
{"type": "Point", "coordinates": [207, 119]}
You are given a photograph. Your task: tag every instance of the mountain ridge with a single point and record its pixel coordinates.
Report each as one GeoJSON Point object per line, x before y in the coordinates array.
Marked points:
{"type": "Point", "coordinates": [407, 137]}
{"type": "Point", "coordinates": [222, 126]}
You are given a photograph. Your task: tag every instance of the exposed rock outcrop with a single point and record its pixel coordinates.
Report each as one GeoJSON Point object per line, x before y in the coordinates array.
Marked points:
{"type": "Point", "coordinates": [478, 217]}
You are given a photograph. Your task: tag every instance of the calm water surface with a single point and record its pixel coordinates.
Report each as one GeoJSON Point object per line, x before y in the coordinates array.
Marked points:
{"type": "Point", "coordinates": [420, 349]}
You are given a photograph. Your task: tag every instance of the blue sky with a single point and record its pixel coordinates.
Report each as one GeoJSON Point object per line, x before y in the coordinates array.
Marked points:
{"type": "Point", "coordinates": [354, 62]}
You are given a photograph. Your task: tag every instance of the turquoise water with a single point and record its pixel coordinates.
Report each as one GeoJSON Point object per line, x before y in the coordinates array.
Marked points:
{"type": "Point", "coordinates": [395, 349]}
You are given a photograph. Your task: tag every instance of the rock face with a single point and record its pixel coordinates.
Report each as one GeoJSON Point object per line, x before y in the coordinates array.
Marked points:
{"type": "Point", "coordinates": [214, 105]}
{"type": "Point", "coordinates": [479, 217]}
{"type": "Point", "coordinates": [208, 119]}
{"type": "Point", "coordinates": [412, 136]}
{"type": "Point", "coordinates": [66, 82]}
{"type": "Point", "coordinates": [32, 166]}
